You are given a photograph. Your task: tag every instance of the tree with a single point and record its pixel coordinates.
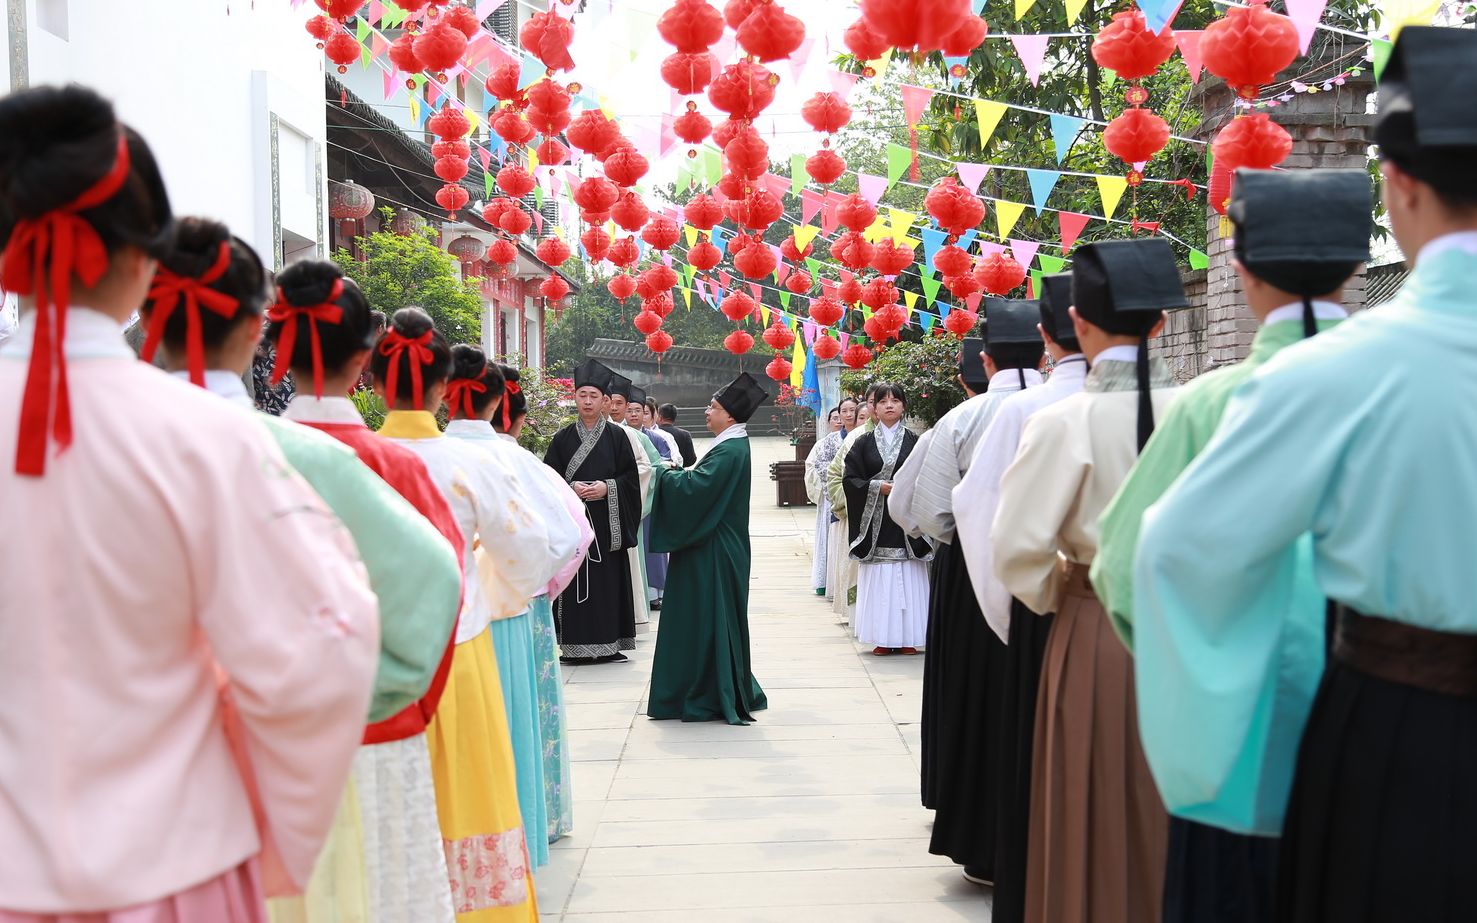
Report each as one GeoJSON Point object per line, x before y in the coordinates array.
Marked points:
{"type": "Point", "coordinates": [404, 271]}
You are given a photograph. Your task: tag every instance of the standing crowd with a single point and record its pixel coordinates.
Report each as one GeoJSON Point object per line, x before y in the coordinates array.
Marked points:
{"type": "Point", "coordinates": [1200, 654]}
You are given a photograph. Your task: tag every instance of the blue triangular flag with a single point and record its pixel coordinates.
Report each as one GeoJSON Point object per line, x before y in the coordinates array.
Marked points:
{"type": "Point", "coordinates": [933, 240]}
{"type": "Point", "coordinates": [967, 238]}
{"type": "Point", "coordinates": [950, 63]}
{"type": "Point", "coordinates": [1042, 182]}
{"type": "Point", "coordinates": [717, 239]}
{"type": "Point", "coordinates": [978, 6]}
{"type": "Point", "coordinates": [1064, 131]}
{"type": "Point", "coordinates": [533, 69]}
{"type": "Point", "coordinates": [1158, 13]}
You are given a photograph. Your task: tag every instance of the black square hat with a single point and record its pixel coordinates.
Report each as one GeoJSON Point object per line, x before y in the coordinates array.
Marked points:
{"type": "Point", "coordinates": [1124, 280]}
{"type": "Point", "coordinates": [636, 395]}
{"type": "Point", "coordinates": [972, 361]}
{"type": "Point", "coordinates": [1302, 216]}
{"type": "Point", "coordinates": [741, 397]}
{"type": "Point", "coordinates": [620, 386]}
{"type": "Point", "coordinates": [1011, 320]}
{"type": "Point", "coordinates": [1432, 74]}
{"type": "Point", "coordinates": [1056, 299]}
{"type": "Point", "coordinates": [592, 374]}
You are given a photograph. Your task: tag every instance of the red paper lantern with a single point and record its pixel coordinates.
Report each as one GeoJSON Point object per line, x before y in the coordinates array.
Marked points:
{"type": "Point", "coordinates": [624, 252]}
{"type": "Point", "coordinates": [736, 306]}
{"type": "Point", "coordinates": [826, 310]}
{"type": "Point", "coordinates": [548, 121]}
{"type": "Point", "coordinates": [402, 55]}
{"type": "Point", "coordinates": [451, 198]}
{"type": "Point", "coordinates": [645, 290]}
{"type": "Point", "coordinates": [661, 232]}
{"type": "Point", "coordinates": [551, 153]}
{"type": "Point", "coordinates": [449, 124]}
{"type": "Point", "coordinates": [962, 286]}
{"type": "Point", "coordinates": [955, 208]}
{"type": "Point", "coordinates": [463, 18]}
{"type": "Point", "coordinates": [553, 288]}
{"type": "Point", "coordinates": [647, 322]}
{"type": "Point", "coordinates": [659, 342]}
{"type": "Point", "coordinates": [738, 243]}
{"type": "Point", "coordinates": [890, 258]}
{"type": "Point", "coordinates": [1219, 188]}
{"type": "Point", "coordinates": [702, 211]}
{"type": "Point", "coordinates": [451, 169]}
{"type": "Point", "coordinates": [322, 29]}
{"type": "Point", "coordinates": [503, 82]}
{"type": "Point", "coordinates": [596, 194]}
{"type": "Point", "coordinates": [951, 261]}
{"type": "Point", "coordinates": [342, 49]}
{"type": "Point", "coordinates": [755, 262]}
{"type": "Point", "coordinates": [459, 148]}
{"type": "Point", "coordinates": [1251, 141]}
{"type": "Point", "coordinates": [691, 25]}
{"type": "Point", "coordinates": [440, 47]}
{"type": "Point", "coordinates": [339, 9]}
{"type": "Point", "coordinates": [692, 126]}
{"type": "Point", "coordinates": [879, 293]}
{"type": "Point", "coordinates": [856, 213]}
{"type": "Point", "coordinates": [960, 322]}
{"type": "Point", "coordinates": [999, 274]}
{"type": "Point", "coordinates": [591, 131]}
{"type": "Point", "coordinates": [1129, 49]}
{"type": "Point", "coordinates": [513, 128]}
{"type": "Point", "coordinates": [688, 74]}
{"type": "Point", "coordinates": [547, 37]}
{"type": "Point", "coordinates": [825, 166]}
{"type": "Point", "coordinates": [659, 304]}
{"type": "Point", "coordinates": [596, 243]}
{"type": "Point", "coordinates": [503, 252]}
{"type": "Point", "coordinates": [826, 347]}
{"type": "Point", "coordinates": [703, 256]}
{"type": "Point", "coordinates": [621, 286]}
{"type": "Point", "coordinates": [852, 251]}
{"type": "Point", "coordinates": [964, 40]}
{"type": "Point", "coordinates": [799, 282]}
{"type": "Point", "coordinates": [493, 210]}
{"type": "Point", "coordinates": [552, 251]}
{"type": "Point", "coordinates": [736, 11]}
{"type": "Point", "coordinates": [515, 221]}
{"type": "Point", "coordinates": [726, 130]}
{"type": "Point", "coordinates": [790, 251]}
{"type": "Point", "coordinates": [742, 90]}
{"type": "Point", "coordinates": [827, 113]}
{"type": "Point", "coordinates": [733, 186]}
{"type": "Point", "coordinates": [923, 25]}
{"type": "Point", "coordinates": [1136, 135]}
{"type": "Point", "coordinates": [778, 336]}
{"type": "Point", "coordinates": [850, 291]}
{"type": "Point", "coordinates": [466, 249]}
{"type": "Point", "coordinates": [770, 34]}
{"type": "Point", "coordinates": [747, 154]}
{"type": "Point", "coordinates": [891, 317]}
{"type": "Point", "coordinates": [762, 209]}
{"type": "Point", "coordinates": [738, 342]}
{"type": "Point", "coordinates": [856, 356]}
{"type": "Point", "coordinates": [630, 212]}
{"type": "Point", "coordinates": [661, 276]}
{"type": "Point", "coordinates": [864, 43]}
{"type": "Point", "coordinates": [779, 367]}
{"type": "Point", "coordinates": [349, 201]}
{"type": "Point", "coordinates": [514, 181]}
{"type": "Point", "coordinates": [1248, 47]}
{"type": "Point", "coordinates": [626, 166]}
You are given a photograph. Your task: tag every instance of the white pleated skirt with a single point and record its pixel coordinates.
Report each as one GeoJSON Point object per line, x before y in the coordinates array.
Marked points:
{"type": "Point", "coordinates": [404, 863]}
{"type": "Point", "coordinates": [892, 604]}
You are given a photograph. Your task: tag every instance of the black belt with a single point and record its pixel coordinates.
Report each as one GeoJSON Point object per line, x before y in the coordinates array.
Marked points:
{"type": "Point", "coordinates": [1435, 661]}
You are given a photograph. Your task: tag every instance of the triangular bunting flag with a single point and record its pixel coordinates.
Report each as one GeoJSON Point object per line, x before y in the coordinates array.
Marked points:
{"type": "Point", "coordinates": [785, 297]}
{"type": "Point", "coordinates": [899, 159]}
{"type": "Point", "coordinates": [1380, 55]}
{"type": "Point", "coordinates": [690, 233]}
{"type": "Point", "coordinates": [798, 177]}
{"type": "Point", "coordinates": [870, 187]}
{"type": "Point", "coordinates": [1188, 43]}
{"type": "Point", "coordinates": [804, 234]}
{"type": "Point", "coordinates": [815, 266]}
{"type": "Point", "coordinates": [687, 296]}
{"type": "Point", "coordinates": [1074, 9]}
{"type": "Point", "coordinates": [1042, 183]}
{"type": "Point", "coordinates": [876, 230]}
{"type": "Point", "coordinates": [1024, 251]}
{"type": "Point", "coordinates": [1022, 7]}
{"type": "Point", "coordinates": [1064, 132]}
{"type": "Point", "coordinates": [810, 203]}
{"type": "Point", "coordinates": [1051, 264]}
{"type": "Point", "coordinates": [1032, 51]}
{"type": "Point", "coordinates": [902, 223]}
{"type": "Point", "coordinates": [1006, 215]}
{"type": "Point", "coordinates": [987, 112]}
{"type": "Point", "coordinates": [915, 103]}
{"type": "Point", "coordinates": [930, 287]}
{"type": "Point", "coordinates": [1111, 188]}
{"type": "Point", "coordinates": [973, 174]}
{"type": "Point", "coordinates": [933, 241]}
{"type": "Point", "coordinates": [910, 299]}
{"type": "Point", "coordinates": [1199, 259]}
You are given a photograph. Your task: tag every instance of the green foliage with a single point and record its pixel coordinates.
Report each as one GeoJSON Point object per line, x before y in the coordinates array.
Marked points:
{"type": "Point", "coordinates": [410, 271]}
{"type": "Point", "coordinates": [546, 416]}
{"type": "Point", "coordinates": [927, 369]}
{"type": "Point", "coordinates": [370, 407]}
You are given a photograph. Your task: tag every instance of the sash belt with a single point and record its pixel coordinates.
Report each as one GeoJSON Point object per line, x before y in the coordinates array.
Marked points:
{"type": "Point", "coordinates": [1434, 661]}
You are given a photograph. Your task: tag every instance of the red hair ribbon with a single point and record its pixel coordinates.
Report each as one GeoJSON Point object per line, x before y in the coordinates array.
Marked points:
{"type": "Point", "coordinates": [459, 391]}
{"type": "Point", "coordinates": [169, 291]}
{"type": "Point", "coordinates": [512, 389]}
{"type": "Point", "coordinates": [287, 314]}
{"type": "Point", "coordinates": [392, 346]}
{"type": "Point", "coordinates": [42, 256]}
{"type": "Point", "coordinates": [1189, 187]}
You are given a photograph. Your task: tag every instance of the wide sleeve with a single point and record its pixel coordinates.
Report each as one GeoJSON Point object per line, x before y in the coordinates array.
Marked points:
{"type": "Point", "coordinates": [815, 471]}
{"type": "Point", "coordinates": [836, 473]}
{"type": "Point", "coordinates": [861, 490]}
{"type": "Point", "coordinates": [512, 537]}
{"type": "Point", "coordinates": [1229, 615]}
{"type": "Point", "coordinates": [625, 492]}
{"type": "Point", "coordinates": [1037, 494]}
{"type": "Point", "coordinates": [691, 503]}
{"type": "Point", "coordinates": [575, 508]}
{"type": "Point", "coordinates": [976, 499]}
{"type": "Point", "coordinates": [1169, 450]}
{"type": "Point", "coordinates": [901, 504]}
{"type": "Point", "coordinates": [937, 472]}
{"type": "Point", "coordinates": [286, 607]}
{"type": "Point", "coordinates": [647, 461]}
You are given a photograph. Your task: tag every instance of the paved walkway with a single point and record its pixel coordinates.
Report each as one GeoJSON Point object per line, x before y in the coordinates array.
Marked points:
{"type": "Point", "coordinates": [813, 808]}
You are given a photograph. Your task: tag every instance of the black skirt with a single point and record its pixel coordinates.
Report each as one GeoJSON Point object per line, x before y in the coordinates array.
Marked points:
{"type": "Point", "coordinates": [970, 667]}
{"type": "Point", "coordinates": [932, 676]}
{"type": "Point", "coordinates": [1215, 876]}
{"type": "Point", "coordinates": [1017, 723]}
{"type": "Point", "coordinates": [1382, 823]}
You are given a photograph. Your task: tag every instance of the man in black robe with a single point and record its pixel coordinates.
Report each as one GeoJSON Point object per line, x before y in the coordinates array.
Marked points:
{"type": "Point", "coordinates": [595, 616]}
{"type": "Point", "coordinates": [666, 421]}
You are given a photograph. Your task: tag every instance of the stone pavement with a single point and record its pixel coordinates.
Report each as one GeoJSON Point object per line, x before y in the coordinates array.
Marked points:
{"type": "Point", "coordinates": [812, 811]}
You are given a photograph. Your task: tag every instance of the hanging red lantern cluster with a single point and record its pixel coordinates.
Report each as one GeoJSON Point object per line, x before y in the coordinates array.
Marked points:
{"type": "Point", "coordinates": [768, 33]}
{"type": "Point", "coordinates": [954, 208]}
{"type": "Point", "coordinates": [1248, 47]}
{"type": "Point", "coordinates": [332, 35]}
{"type": "Point", "coordinates": [999, 274]}
{"type": "Point", "coordinates": [451, 125]}
{"type": "Point", "coordinates": [1129, 48]}
{"type": "Point", "coordinates": [548, 107]}
{"type": "Point", "coordinates": [547, 37]}
{"type": "Point", "coordinates": [691, 26]}
{"type": "Point", "coordinates": [852, 251]}
{"type": "Point", "coordinates": [440, 48]}
{"type": "Point", "coordinates": [827, 113]}
{"type": "Point", "coordinates": [921, 26]}
{"type": "Point", "coordinates": [596, 243]}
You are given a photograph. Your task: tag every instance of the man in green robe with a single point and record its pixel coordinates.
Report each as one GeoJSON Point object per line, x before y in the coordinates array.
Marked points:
{"type": "Point", "coordinates": [702, 669]}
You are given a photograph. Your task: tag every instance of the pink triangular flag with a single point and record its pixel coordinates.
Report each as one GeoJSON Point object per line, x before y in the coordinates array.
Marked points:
{"type": "Point", "coordinates": [841, 83]}
{"type": "Point", "coordinates": [485, 157]}
{"type": "Point", "coordinates": [1024, 251]}
{"type": "Point", "coordinates": [810, 203]}
{"type": "Point", "coordinates": [871, 187]}
{"type": "Point", "coordinates": [700, 285]}
{"type": "Point", "coordinates": [800, 57]}
{"type": "Point", "coordinates": [989, 248]}
{"type": "Point", "coordinates": [538, 220]}
{"type": "Point", "coordinates": [829, 221]}
{"type": "Point", "coordinates": [724, 279]}
{"type": "Point", "coordinates": [376, 11]}
{"type": "Point", "coordinates": [486, 8]}
{"type": "Point", "coordinates": [667, 258]}
{"type": "Point", "coordinates": [1032, 51]}
{"type": "Point", "coordinates": [777, 185]}
{"type": "Point", "coordinates": [781, 272]}
{"type": "Point", "coordinates": [847, 275]}
{"type": "Point", "coordinates": [972, 300]}
{"type": "Point", "coordinates": [1188, 42]}
{"type": "Point", "coordinates": [915, 101]}
{"type": "Point", "coordinates": [668, 135]}
{"type": "Point", "coordinates": [972, 174]}
{"type": "Point", "coordinates": [828, 287]}
{"type": "Point", "coordinates": [811, 332]}
{"type": "Point", "coordinates": [1071, 225]}
{"type": "Point", "coordinates": [1305, 15]}
{"type": "Point", "coordinates": [391, 84]}
{"type": "Point", "coordinates": [377, 44]}
{"type": "Point", "coordinates": [845, 340]}
{"type": "Point", "coordinates": [756, 292]}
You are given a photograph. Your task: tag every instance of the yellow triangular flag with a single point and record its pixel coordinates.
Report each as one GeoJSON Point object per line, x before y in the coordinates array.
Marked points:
{"type": "Point", "coordinates": [1006, 215]}
{"type": "Point", "coordinates": [877, 231]}
{"type": "Point", "coordinates": [415, 109]}
{"type": "Point", "coordinates": [1111, 188]}
{"type": "Point", "coordinates": [1022, 7]}
{"type": "Point", "coordinates": [797, 363]}
{"type": "Point", "coordinates": [1074, 9]}
{"type": "Point", "coordinates": [804, 234]}
{"type": "Point", "coordinates": [690, 233]}
{"type": "Point", "coordinates": [911, 300]}
{"type": "Point", "coordinates": [988, 113]}
{"type": "Point", "coordinates": [880, 65]}
{"type": "Point", "coordinates": [902, 223]}
{"type": "Point", "coordinates": [532, 157]}
{"type": "Point", "coordinates": [473, 118]}
{"type": "Point", "coordinates": [764, 313]}
{"type": "Point", "coordinates": [687, 296]}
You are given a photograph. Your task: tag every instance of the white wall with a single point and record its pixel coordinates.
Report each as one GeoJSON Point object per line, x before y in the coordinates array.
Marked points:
{"type": "Point", "coordinates": [200, 79]}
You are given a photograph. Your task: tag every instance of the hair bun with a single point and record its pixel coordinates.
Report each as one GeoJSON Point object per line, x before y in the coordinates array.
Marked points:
{"type": "Point", "coordinates": [509, 373]}
{"type": "Point", "coordinates": [411, 322]}
{"type": "Point", "coordinates": [54, 143]}
{"type": "Point", "coordinates": [195, 246]}
{"type": "Point", "coordinates": [467, 361]}
{"type": "Point", "coordinates": [308, 282]}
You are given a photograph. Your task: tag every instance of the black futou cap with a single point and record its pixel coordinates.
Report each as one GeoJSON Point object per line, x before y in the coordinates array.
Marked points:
{"type": "Point", "coordinates": [1427, 121]}
{"type": "Point", "coordinates": [1011, 320]}
{"type": "Point", "coordinates": [636, 395]}
{"type": "Point", "coordinates": [620, 386]}
{"type": "Point", "coordinates": [592, 374]}
{"type": "Point", "coordinates": [972, 362]}
{"type": "Point", "coordinates": [1056, 299]}
{"type": "Point", "coordinates": [741, 397]}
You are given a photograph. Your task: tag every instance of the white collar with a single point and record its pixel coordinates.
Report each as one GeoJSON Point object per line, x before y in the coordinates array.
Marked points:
{"type": "Point", "coordinates": [222, 384]}
{"type": "Point", "coordinates": [1069, 367]}
{"type": "Point", "coordinates": [1322, 310]}
{"type": "Point", "coordinates": [90, 335]}
{"type": "Point", "coordinates": [889, 431]}
{"type": "Point", "coordinates": [305, 408]}
{"type": "Point", "coordinates": [1007, 380]}
{"type": "Point", "coordinates": [506, 438]}
{"type": "Point", "coordinates": [1465, 241]}
{"type": "Point", "coordinates": [1120, 353]}
{"type": "Point", "coordinates": [470, 429]}
{"type": "Point", "coordinates": [735, 431]}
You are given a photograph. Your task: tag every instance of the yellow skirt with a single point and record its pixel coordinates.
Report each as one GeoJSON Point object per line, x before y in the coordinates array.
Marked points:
{"type": "Point", "coordinates": [477, 793]}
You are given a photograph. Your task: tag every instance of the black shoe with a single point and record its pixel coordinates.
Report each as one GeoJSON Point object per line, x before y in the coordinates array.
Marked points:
{"type": "Point", "coordinates": [656, 605]}
{"type": "Point", "coordinates": [613, 658]}
{"type": "Point", "coordinates": [978, 876]}
{"type": "Point", "coordinates": [578, 661]}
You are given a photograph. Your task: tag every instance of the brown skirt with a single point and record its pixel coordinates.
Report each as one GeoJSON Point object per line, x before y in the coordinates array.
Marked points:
{"type": "Point", "coordinates": [1099, 830]}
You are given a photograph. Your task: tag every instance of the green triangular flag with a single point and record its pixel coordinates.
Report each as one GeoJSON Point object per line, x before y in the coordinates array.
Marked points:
{"type": "Point", "coordinates": [1036, 276]}
{"type": "Point", "coordinates": [712, 165]}
{"type": "Point", "coordinates": [814, 265]}
{"type": "Point", "coordinates": [797, 173]}
{"type": "Point", "coordinates": [1051, 264]}
{"type": "Point", "coordinates": [487, 183]}
{"type": "Point", "coordinates": [784, 298]}
{"type": "Point", "coordinates": [930, 286]}
{"type": "Point", "coordinates": [538, 196]}
{"type": "Point", "coordinates": [899, 159]}
{"type": "Point", "coordinates": [1199, 259]}
{"type": "Point", "coordinates": [689, 272]}
{"type": "Point", "coordinates": [1380, 49]}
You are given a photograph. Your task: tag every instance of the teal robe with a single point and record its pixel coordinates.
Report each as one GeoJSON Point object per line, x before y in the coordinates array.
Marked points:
{"type": "Point", "coordinates": [1354, 448]}
{"type": "Point", "coordinates": [702, 670]}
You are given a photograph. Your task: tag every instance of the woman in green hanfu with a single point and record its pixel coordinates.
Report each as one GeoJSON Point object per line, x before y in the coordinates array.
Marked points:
{"type": "Point", "coordinates": [702, 669]}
